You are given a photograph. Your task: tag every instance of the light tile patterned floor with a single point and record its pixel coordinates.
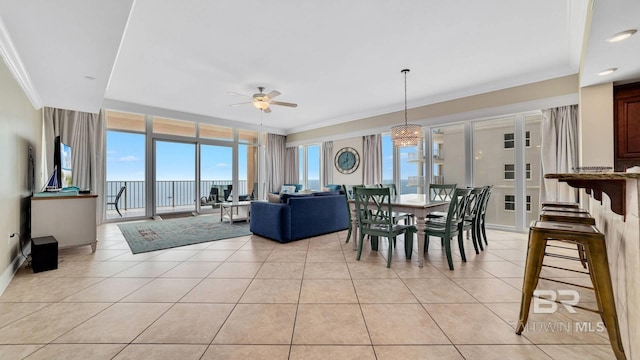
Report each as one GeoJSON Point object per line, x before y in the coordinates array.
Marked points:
{"type": "Point", "coordinates": [253, 298]}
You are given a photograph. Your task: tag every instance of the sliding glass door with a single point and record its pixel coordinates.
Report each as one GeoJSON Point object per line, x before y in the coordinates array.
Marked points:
{"type": "Point", "coordinates": [175, 180]}
{"type": "Point", "coordinates": [216, 174]}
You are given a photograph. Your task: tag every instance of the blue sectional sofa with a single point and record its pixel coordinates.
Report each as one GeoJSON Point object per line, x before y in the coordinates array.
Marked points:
{"type": "Point", "coordinates": [300, 216]}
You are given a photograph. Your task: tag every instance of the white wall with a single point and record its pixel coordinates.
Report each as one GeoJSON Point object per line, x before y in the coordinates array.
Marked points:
{"type": "Point", "coordinates": [356, 177]}
{"type": "Point", "coordinates": [20, 127]}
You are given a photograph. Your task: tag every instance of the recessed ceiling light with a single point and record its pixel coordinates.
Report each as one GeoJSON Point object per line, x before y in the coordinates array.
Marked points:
{"type": "Point", "coordinates": [607, 72]}
{"type": "Point", "coordinates": [622, 35]}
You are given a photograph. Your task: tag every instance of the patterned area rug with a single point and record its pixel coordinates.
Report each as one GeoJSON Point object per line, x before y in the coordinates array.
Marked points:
{"type": "Point", "coordinates": [157, 235]}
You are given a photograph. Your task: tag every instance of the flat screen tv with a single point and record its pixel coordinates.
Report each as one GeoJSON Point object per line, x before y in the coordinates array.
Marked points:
{"type": "Point", "coordinates": [62, 163]}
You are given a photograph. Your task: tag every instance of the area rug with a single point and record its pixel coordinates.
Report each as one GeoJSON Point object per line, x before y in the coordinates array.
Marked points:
{"type": "Point", "coordinates": [164, 234]}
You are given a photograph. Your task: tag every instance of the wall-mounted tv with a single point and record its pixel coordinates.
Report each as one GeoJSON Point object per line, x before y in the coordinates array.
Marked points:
{"type": "Point", "coordinates": [62, 162]}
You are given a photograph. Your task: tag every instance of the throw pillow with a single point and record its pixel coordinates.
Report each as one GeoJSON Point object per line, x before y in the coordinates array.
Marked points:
{"type": "Point", "coordinates": [273, 198]}
{"type": "Point", "coordinates": [287, 189]}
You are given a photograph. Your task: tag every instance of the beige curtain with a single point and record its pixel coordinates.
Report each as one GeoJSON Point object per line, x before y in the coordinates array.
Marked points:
{"type": "Point", "coordinates": [291, 166]}
{"type": "Point", "coordinates": [275, 161]}
{"type": "Point", "coordinates": [85, 133]}
{"type": "Point", "coordinates": [372, 159]}
{"type": "Point", "coordinates": [559, 151]}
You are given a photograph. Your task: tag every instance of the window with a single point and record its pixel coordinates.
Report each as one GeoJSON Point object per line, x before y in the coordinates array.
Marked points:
{"type": "Point", "coordinates": [510, 142]}
{"type": "Point", "coordinates": [174, 127]}
{"type": "Point", "coordinates": [510, 203]}
{"type": "Point", "coordinates": [387, 159]}
{"type": "Point", "coordinates": [510, 171]}
{"type": "Point", "coordinates": [310, 166]}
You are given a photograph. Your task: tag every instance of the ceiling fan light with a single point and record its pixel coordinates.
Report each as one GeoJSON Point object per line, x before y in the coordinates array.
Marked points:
{"type": "Point", "coordinates": [261, 105]}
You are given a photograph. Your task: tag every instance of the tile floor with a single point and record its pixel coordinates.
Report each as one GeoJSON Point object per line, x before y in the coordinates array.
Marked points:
{"type": "Point", "coordinates": [252, 298]}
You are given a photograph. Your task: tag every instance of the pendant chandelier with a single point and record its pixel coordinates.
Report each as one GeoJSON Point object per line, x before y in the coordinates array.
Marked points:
{"type": "Point", "coordinates": [407, 134]}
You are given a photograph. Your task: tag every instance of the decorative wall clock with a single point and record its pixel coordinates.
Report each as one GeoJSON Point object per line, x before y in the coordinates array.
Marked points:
{"type": "Point", "coordinates": [347, 160]}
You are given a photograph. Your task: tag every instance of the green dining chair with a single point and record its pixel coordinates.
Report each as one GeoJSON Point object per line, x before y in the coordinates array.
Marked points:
{"type": "Point", "coordinates": [372, 206]}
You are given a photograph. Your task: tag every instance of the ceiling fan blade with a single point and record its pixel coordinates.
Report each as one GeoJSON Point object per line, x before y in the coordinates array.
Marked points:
{"type": "Point", "coordinates": [273, 94]}
{"type": "Point", "coordinates": [267, 110]}
{"type": "Point", "coordinates": [242, 103]}
{"type": "Point", "coordinates": [238, 94]}
{"type": "Point", "coordinates": [283, 103]}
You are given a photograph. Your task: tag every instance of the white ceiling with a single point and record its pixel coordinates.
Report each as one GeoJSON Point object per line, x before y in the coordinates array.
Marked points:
{"type": "Point", "coordinates": [338, 60]}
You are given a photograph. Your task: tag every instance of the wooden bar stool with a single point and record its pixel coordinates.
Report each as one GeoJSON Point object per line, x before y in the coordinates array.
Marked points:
{"type": "Point", "coordinates": [579, 218]}
{"type": "Point", "coordinates": [564, 209]}
{"type": "Point", "coordinates": [561, 204]}
{"type": "Point", "coordinates": [593, 242]}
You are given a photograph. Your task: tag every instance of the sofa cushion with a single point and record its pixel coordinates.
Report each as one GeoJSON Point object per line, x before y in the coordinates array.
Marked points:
{"type": "Point", "coordinates": [284, 198]}
{"type": "Point", "coordinates": [326, 193]}
{"type": "Point", "coordinates": [273, 198]}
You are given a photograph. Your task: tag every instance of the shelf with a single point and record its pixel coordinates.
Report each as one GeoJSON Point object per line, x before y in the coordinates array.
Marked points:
{"type": "Point", "coordinates": [612, 184]}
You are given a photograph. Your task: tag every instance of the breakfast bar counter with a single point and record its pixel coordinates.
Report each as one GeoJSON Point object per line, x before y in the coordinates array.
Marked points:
{"type": "Point", "coordinates": [617, 216]}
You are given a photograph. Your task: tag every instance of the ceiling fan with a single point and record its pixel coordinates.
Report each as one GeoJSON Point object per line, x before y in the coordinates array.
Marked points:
{"type": "Point", "coordinates": [262, 101]}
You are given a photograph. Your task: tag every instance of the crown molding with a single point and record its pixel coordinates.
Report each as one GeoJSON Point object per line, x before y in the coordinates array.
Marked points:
{"type": "Point", "coordinates": [17, 68]}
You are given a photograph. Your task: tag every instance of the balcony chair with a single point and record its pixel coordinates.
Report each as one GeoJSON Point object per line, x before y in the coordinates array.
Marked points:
{"type": "Point", "coordinates": [371, 206]}
{"type": "Point", "coordinates": [116, 200]}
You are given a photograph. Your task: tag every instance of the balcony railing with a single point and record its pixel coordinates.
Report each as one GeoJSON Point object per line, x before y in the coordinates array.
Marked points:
{"type": "Point", "coordinates": [169, 193]}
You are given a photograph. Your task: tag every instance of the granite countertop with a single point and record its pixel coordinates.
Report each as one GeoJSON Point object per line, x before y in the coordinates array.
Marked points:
{"type": "Point", "coordinates": [593, 176]}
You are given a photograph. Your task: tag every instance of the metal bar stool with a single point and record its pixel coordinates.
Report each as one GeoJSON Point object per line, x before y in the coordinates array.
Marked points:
{"type": "Point", "coordinates": [592, 240]}
{"type": "Point", "coordinates": [572, 217]}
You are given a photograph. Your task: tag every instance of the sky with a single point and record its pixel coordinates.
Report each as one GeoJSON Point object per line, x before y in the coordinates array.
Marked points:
{"type": "Point", "coordinates": [176, 161]}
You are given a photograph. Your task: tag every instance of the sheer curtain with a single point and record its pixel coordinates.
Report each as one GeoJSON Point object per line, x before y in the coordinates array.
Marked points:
{"type": "Point", "coordinates": [559, 151]}
{"type": "Point", "coordinates": [275, 161]}
{"type": "Point", "coordinates": [372, 159]}
{"type": "Point", "coordinates": [85, 133]}
{"type": "Point", "coordinates": [291, 166]}
{"type": "Point", "coordinates": [327, 163]}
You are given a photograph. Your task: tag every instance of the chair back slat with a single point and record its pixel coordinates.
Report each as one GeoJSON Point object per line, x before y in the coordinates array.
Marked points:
{"type": "Point", "coordinates": [441, 192]}
{"type": "Point", "coordinates": [457, 205]}
{"type": "Point", "coordinates": [372, 206]}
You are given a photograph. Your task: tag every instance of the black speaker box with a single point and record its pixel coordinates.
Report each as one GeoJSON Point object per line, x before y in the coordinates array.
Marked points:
{"type": "Point", "coordinates": [44, 253]}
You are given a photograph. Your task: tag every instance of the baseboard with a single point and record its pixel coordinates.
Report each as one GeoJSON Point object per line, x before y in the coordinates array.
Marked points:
{"type": "Point", "coordinates": [10, 271]}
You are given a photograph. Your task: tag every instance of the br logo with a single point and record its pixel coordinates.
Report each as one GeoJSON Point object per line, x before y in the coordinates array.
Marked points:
{"type": "Point", "coordinates": [546, 301]}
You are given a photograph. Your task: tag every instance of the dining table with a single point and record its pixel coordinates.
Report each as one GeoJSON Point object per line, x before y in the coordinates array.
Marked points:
{"type": "Point", "coordinates": [417, 204]}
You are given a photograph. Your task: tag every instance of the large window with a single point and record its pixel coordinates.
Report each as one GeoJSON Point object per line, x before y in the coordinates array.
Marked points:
{"type": "Point", "coordinates": [494, 166]}
{"type": "Point", "coordinates": [387, 159]}
{"type": "Point", "coordinates": [448, 155]}
{"type": "Point", "coordinates": [125, 161]}
{"type": "Point", "coordinates": [192, 165]}
{"type": "Point", "coordinates": [309, 157]}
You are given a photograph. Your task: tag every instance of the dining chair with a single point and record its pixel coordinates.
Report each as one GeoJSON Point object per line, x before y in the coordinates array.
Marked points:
{"type": "Point", "coordinates": [372, 206]}
{"type": "Point", "coordinates": [440, 192]}
{"type": "Point", "coordinates": [397, 215]}
{"type": "Point", "coordinates": [471, 220]}
{"type": "Point", "coordinates": [346, 198]}
{"type": "Point", "coordinates": [448, 227]}
{"type": "Point", "coordinates": [483, 212]}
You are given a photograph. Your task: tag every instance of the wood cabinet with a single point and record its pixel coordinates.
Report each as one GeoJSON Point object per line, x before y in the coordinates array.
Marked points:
{"type": "Point", "coordinates": [626, 118]}
{"type": "Point", "coordinates": [70, 219]}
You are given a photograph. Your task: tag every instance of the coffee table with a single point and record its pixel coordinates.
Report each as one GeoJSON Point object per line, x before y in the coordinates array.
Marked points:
{"type": "Point", "coordinates": [235, 211]}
